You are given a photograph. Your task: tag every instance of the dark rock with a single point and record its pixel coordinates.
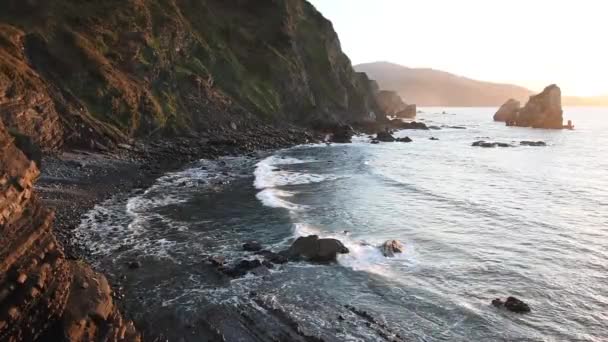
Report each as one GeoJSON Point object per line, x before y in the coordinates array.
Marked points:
{"type": "Point", "coordinates": [406, 139]}
{"type": "Point", "coordinates": [242, 268]}
{"type": "Point", "coordinates": [134, 265]}
{"type": "Point", "coordinates": [516, 305]}
{"type": "Point", "coordinates": [508, 111]}
{"type": "Point", "coordinates": [314, 249]}
{"type": "Point", "coordinates": [252, 246]}
{"type": "Point", "coordinates": [533, 143]}
{"type": "Point", "coordinates": [374, 141]}
{"type": "Point", "coordinates": [385, 136]}
{"type": "Point", "coordinates": [342, 134]}
{"type": "Point", "coordinates": [482, 143]}
{"type": "Point", "coordinates": [28, 146]}
{"type": "Point", "coordinates": [217, 260]}
{"type": "Point", "coordinates": [274, 258]}
{"type": "Point", "coordinates": [391, 247]}
{"type": "Point", "coordinates": [433, 138]}
{"type": "Point", "coordinates": [498, 302]}
{"type": "Point", "coordinates": [397, 123]}
{"type": "Point", "coordinates": [434, 127]}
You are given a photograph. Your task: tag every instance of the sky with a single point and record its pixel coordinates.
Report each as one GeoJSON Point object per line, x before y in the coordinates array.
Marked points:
{"type": "Point", "coordinates": [532, 43]}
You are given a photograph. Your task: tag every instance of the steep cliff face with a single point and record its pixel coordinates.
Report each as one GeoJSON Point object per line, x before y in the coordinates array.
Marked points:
{"type": "Point", "coordinates": [43, 296]}
{"type": "Point", "coordinates": [95, 73]}
{"type": "Point", "coordinates": [543, 110]}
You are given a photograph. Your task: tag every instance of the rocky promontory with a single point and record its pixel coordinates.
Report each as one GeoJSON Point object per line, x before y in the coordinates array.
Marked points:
{"type": "Point", "coordinates": [508, 111]}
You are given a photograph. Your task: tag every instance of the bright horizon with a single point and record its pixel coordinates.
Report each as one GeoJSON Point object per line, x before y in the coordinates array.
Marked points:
{"type": "Point", "coordinates": [527, 43]}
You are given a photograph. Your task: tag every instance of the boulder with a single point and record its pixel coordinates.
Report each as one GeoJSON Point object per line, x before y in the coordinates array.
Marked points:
{"type": "Point", "coordinates": [406, 139]}
{"type": "Point", "coordinates": [433, 138]}
{"type": "Point", "coordinates": [400, 124]}
{"type": "Point", "coordinates": [543, 110]}
{"type": "Point", "coordinates": [385, 136]}
{"type": "Point", "coordinates": [273, 257]}
{"type": "Point", "coordinates": [342, 134]}
{"type": "Point", "coordinates": [241, 268]}
{"type": "Point", "coordinates": [391, 247]}
{"type": "Point", "coordinates": [314, 249]}
{"type": "Point", "coordinates": [508, 111]}
{"type": "Point", "coordinates": [532, 143]}
{"type": "Point", "coordinates": [252, 246]}
{"type": "Point", "coordinates": [512, 304]}
{"type": "Point", "coordinates": [374, 141]}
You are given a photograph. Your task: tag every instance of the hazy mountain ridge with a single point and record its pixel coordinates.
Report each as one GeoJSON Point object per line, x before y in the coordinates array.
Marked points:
{"type": "Point", "coordinates": [430, 87]}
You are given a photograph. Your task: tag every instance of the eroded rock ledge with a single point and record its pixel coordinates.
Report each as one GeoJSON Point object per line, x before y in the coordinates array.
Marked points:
{"type": "Point", "coordinates": [44, 296]}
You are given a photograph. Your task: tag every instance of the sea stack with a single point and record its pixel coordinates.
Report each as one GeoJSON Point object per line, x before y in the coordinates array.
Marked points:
{"type": "Point", "coordinates": [543, 110]}
{"type": "Point", "coordinates": [508, 111]}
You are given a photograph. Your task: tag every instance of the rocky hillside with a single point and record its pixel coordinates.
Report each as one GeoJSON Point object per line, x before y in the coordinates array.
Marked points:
{"type": "Point", "coordinates": [428, 87]}
{"type": "Point", "coordinates": [43, 296]}
{"type": "Point", "coordinates": [93, 74]}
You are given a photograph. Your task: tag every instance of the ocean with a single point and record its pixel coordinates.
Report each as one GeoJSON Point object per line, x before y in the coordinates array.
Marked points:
{"type": "Point", "coordinates": [477, 224]}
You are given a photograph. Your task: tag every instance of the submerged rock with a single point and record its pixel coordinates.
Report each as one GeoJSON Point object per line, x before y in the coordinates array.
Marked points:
{"type": "Point", "coordinates": [391, 247]}
{"type": "Point", "coordinates": [405, 140]}
{"type": "Point", "coordinates": [533, 143]}
{"type": "Point", "coordinates": [508, 111]}
{"type": "Point", "coordinates": [273, 257]}
{"type": "Point", "coordinates": [314, 249]}
{"type": "Point", "coordinates": [482, 143]}
{"type": "Point", "coordinates": [241, 268]}
{"type": "Point", "coordinates": [433, 138]}
{"type": "Point", "coordinates": [512, 304]}
{"type": "Point", "coordinates": [252, 246]}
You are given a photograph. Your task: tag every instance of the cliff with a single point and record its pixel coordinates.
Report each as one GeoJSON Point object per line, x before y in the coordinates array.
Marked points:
{"type": "Point", "coordinates": [93, 74]}
{"type": "Point", "coordinates": [391, 103]}
{"type": "Point", "coordinates": [43, 296]}
{"type": "Point", "coordinates": [543, 110]}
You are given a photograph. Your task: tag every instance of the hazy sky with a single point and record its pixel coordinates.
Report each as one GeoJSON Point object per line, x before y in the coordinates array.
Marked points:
{"type": "Point", "coordinates": [528, 42]}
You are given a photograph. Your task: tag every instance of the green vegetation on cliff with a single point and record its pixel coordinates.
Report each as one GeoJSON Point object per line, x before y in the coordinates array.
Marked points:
{"type": "Point", "coordinates": [118, 69]}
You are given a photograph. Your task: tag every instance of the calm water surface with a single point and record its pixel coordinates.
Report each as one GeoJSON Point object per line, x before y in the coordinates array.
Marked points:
{"type": "Point", "coordinates": [477, 224]}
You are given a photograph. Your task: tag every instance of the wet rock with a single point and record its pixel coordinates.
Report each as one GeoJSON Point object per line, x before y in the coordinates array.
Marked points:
{"type": "Point", "coordinates": [512, 304]}
{"type": "Point", "coordinates": [485, 144]}
{"type": "Point", "coordinates": [397, 123]}
{"type": "Point", "coordinates": [252, 246]}
{"type": "Point", "coordinates": [133, 265]}
{"type": "Point", "coordinates": [241, 268]}
{"type": "Point", "coordinates": [405, 140]}
{"type": "Point", "coordinates": [314, 249]}
{"type": "Point", "coordinates": [342, 134]}
{"type": "Point", "coordinates": [217, 260]}
{"type": "Point", "coordinates": [436, 128]}
{"type": "Point", "coordinates": [508, 111]}
{"type": "Point", "coordinates": [433, 138]}
{"type": "Point", "coordinates": [273, 257]}
{"type": "Point", "coordinates": [533, 143]}
{"type": "Point", "coordinates": [374, 141]}
{"type": "Point", "coordinates": [385, 136]}
{"type": "Point", "coordinates": [391, 247]}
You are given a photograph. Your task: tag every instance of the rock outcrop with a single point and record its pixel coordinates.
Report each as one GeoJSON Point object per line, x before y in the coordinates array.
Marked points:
{"type": "Point", "coordinates": [96, 74]}
{"type": "Point", "coordinates": [543, 110]}
{"type": "Point", "coordinates": [391, 247]}
{"type": "Point", "coordinates": [43, 296]}
{"type": "Point", "coordinates": [314, 249]}
{"type": "Point", "coordinates": [508, 111]}
{"type": "Point", "coordinates": [512, 304]}
{"type": "Point", "coordinates": [391, 103]}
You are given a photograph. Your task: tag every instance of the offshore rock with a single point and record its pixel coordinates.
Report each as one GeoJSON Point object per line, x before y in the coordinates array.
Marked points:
{"type": "Point", "coordinates": [512, 304]}
{"type": "Point", "coordinates": [543, 110]}
{"type": "Point", "coordinates": [385, 136]}
{"type": "Point", "coordinates": [508, 111]}
{"type": "Point", "coordinates": [391, 247]}
{"type": "Point", "coordinates": [314, 249]}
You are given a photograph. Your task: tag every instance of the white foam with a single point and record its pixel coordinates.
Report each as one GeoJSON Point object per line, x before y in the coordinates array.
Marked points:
{"type": "Point", "coordinates": [274, 198]}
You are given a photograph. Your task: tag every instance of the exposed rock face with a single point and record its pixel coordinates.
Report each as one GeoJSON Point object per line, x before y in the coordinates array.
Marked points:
{"type": "Point", "coordinates": [543, 110]}
{"type": "Point", "coordinates": [508, 111]}
{"type": "Point", "coordinates": [96, 74]}
{"type": "Point", "coordinates": [314, 249]}
{"type": "Point", "coordinates": [43, 296]}
{"type": "Point", "coordinates": [342, 134]}
{"type": "Point", "coordinates": [391, 103]}
{"type": "Point", "coordinates": [408, 112]}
